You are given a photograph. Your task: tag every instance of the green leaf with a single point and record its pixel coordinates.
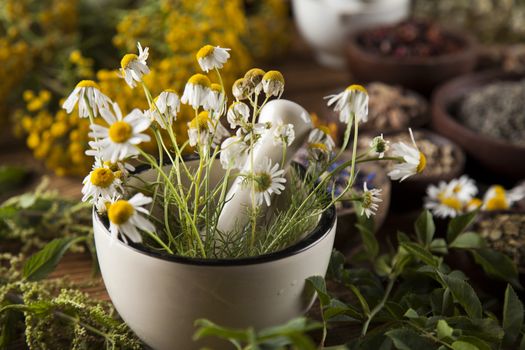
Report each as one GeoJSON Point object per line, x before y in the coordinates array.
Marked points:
{"type": "Point", "coordinates": [319, 285]}
{"type": "Point", "coordinates": [444, 331]}
{"type": "Point", "coordinates": [420, 253]}
{"type": "Point", "coordinates": [411, 313]}
{"type": "Point", "coordinates": [464, 294]}
{"type": "Point", "coordinates": [461, 345]}
{"type": "Point", "coordinates": [361, 298]}
{"type": "Point", "coordinates": [425, 227]}
{"type": "Point", "coordinates": [43, 262]}
{"type": "Point", "coordinates": [439, 245]}
{"type": "Point", "coordinates": [407, 339]}
{"type": "Point", "coordinates": [512, 316]}
{"type": "Point", "coordinates": [369, 241]}
{"type": "Point", "coordinates": [480, 344]}
{"type": "Point", "coordinates": [458, 224]}
{"type": "Point", "coordinates": [468, 240]}
{"type": "Point", "coordinates": [208, 328]}
{"type": "Point", "coordinates": [497, 265]}
{"type": "Point", "coordinates": [338, 308]}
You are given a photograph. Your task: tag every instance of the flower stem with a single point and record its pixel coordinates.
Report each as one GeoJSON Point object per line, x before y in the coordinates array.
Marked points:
{"type": "Point", "coordinates": [379, 306]}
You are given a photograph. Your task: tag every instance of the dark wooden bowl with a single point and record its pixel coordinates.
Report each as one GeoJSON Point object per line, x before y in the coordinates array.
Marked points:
{"type": "Point", "coordinates": [421, 74]}
{"type": "Point", "coordinates": [498, 156]}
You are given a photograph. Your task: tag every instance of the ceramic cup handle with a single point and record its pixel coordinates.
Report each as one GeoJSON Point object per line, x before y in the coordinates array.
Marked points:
{"type": "Point", "coordinates": [277, 111]}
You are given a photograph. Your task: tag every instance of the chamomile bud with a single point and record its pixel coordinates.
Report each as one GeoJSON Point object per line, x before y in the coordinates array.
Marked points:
{"type": "Point", "coordinates": [379, 145]}
{"type": "Point", "coordinates": [241, 89]}
{"type": "Point", "coordinates": [254, 77]}
{"type": "Point", "coordinates": [238, 114]}
{"type": "Point", "coordinates": [273, 83]}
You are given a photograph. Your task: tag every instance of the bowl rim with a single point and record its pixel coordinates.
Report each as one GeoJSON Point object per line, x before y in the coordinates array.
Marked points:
{"type": "Point", "coordinates": [323, 228]}
{"type": "Point", "coordinates": [470, 49]}
{"type": "Point", "coordinates": [447, 94]}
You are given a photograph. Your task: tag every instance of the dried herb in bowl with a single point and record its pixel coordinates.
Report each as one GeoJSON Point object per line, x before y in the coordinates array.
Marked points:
{"type": "Point", "coordinates": [410, 38]}
{"type": "Point", "coordinates": [394, 108]}
{"type": "Point", "coordinates": [505, 232]}
{"type": "Point", "coordinates": [496, 110]}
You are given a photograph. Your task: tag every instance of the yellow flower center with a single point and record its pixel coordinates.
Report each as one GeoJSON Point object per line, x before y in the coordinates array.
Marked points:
{"type": "Point", "coordinates": [356, 87]}
{"type": "Point", "coordinates": [274, 75]}
{"type": "Point", "coordinates": [102, 177]}
{"type": "Point", "coordinates": [262, 181]}
{"type": "Point", "coordinates": [87, 83]}
{"type": "Point", "coordinates": [498, 202]}
{"type": "Point", "coordinates": [205, 51]}
{"type": "Point", "coordinates": [126, 60]}
{"type": "Point", "coordinates": [120, 132]}
{"type": "Point", "coordinates": [452, 202]}
{"type": "Point", "coordinates": [324, 129]}
{"type": "Point", "coordinates": [120, 212]}
{"type": "Point", "coordinates": [422, 163]}
{"type": "Point", "coordinates": [457, 189]}
{"type": "Point", "coordinates": [318, 145]}
{"type": "Point", "coordinates": [216, 87]}
{"type": "Point", "coordinates": [200, 79]}
{"type": "Point", "coordinates": [475, 203]}
{"type": "Point", "coordinates": [499, 190]}
{"type": "Point", "coordinates": [200, 122]}
{"type": "Point", "coordinates": [171, 91]}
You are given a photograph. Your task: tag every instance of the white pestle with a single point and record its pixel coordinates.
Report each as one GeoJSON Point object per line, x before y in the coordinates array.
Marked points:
{"type": "Point", "coordinates": [234, 212]}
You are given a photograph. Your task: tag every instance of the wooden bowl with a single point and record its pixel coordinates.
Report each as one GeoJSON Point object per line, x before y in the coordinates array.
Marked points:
{"type": "Point", "coordinates": [500, 157]}
{"type": "Point", "coordinates": [421, 74]}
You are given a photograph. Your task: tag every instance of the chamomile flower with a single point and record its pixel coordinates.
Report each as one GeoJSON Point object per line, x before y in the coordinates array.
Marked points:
{"type": "Point", "coordinates": [168, 106]}
{"type": "Point", "coordinates": [126, 217]}
{"type": "Point", "coordinates": [120, 140]}
{"type": "Point", "coordinates": [473, 204]}
{"type": "Point", "coordinates": [234, 152]}
{"type": "Point", "coordinates": [254, 77]}
{"type": "Point", "coordinates": [442, 200]}
{"type": "Point", "coordinates": [211, 57]}
{"type": "Point", "coordinates": [351, 102]}
{"type": "Point", "coordinates": [283, 134]}
{"type": "Point", "coordinates": [88, 96]}
{"type": "Point", "coordinates": [202, 129]}
{"type": "Point", "coordinates": [133, 67]}
{"type": "Point", "coordinates": [216, 101]}
{"type": "Point", "coordinates": [241, 89]}
{"type": "Point", "coordinates": [379, 145]}
{"type": "Point", "coordinates": [101, 182]}
{"type": "Point", "coordinates": [464, 188]}
{"type": "Point", "coordinates": [273, 83]}
{"type": "Point", "coordinates": [497, 198]}
{"type": "Point", "coordinates": [370, 200]}
{"type": "Point", "coordinates": [238, 114]}
{"type": "Point", "coordinates": [414, 161]}
{"type": "Point", "coordinates": [266, 179]}
{"type": "Point", "coordinates": [196, 91]}
{"type": "Point", "coordinates": [320, 144]}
